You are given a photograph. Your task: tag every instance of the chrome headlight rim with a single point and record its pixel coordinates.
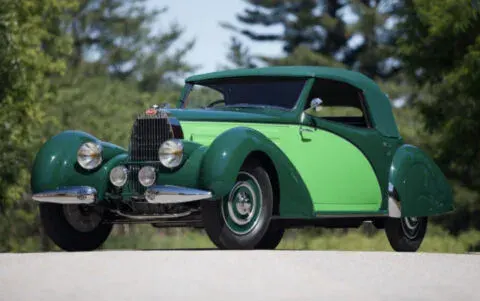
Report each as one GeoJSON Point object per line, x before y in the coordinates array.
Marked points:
{"type": "Point", "coordinates": [147, 170]}
{"type": "Point", "coordinates": [170, 153]}
{"type": "Point", "coordinates": [90, 155]}
{"type": "Point", "coordinates": [119, 182]}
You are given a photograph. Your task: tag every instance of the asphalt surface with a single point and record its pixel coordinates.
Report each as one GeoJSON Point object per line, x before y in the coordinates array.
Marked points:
{"type": "Point", "coordinates": [232, 275]}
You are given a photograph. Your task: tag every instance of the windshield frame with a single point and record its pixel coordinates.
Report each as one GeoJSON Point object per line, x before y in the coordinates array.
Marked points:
{"type": "Point", "coordinates": [189, 86]}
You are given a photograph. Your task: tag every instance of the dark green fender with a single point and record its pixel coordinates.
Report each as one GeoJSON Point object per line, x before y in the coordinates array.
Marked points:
{"type": "Point", "coordinates": [225, 156]}
{"type": "Point", "coordinates": [420, 184]}
{"type": "Point", "coordinates": [56, 164]}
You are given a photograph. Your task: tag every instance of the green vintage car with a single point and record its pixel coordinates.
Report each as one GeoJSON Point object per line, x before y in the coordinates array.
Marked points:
{"type": "Point", "coordinates": [245, 155]}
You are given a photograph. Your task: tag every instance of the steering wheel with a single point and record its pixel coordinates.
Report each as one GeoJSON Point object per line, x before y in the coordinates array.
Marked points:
{"type": "Point", "coordinates": [216, 102]}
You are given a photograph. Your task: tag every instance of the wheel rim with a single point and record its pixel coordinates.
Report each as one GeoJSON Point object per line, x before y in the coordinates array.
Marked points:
{"type": "Point", "coordinates": [82, 218]}
{"type": "Point", "coordinates": [410, 227]}
{"type": "Point", "coordinates": [242, 207]}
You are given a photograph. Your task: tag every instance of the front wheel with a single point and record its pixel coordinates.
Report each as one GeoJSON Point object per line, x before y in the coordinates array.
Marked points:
{"type": "Point", "coordinates": [74, 227]}
{"type": "Point", "coordinates": [272, 237]}
{"type": "Point", "coordinates": [406, 234]}
{"type": "Point", "coordinates": [241, 219]}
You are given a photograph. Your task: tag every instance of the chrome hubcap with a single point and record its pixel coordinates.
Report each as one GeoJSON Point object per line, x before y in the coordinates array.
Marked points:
{"type": "Point", "coordinates": [82, 218]}
{"type": "Point", "coordinates": [410, 226]}
{"type": "Point", "coordinates": [241, 209]}
{"type": "Point", "coordinates": [243, 203]}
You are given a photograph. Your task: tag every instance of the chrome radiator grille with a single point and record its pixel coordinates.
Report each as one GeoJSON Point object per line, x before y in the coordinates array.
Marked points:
{"type": "Point", "coordinates": [148, 133]}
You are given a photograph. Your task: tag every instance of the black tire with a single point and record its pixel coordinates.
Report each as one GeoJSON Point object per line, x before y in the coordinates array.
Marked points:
{"type": "Point", "coordinates": [405, 235]}
{"type": "Point", "coordinates": [272, 238]}
{"type": "Point", "coordinates": [219, 223]}
{"type": "Point", "coordinates": [64, 235]}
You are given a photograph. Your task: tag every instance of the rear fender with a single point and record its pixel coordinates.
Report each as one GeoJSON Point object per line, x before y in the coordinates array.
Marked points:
{"type": "Point", "coordinates": [417, 186]}
{"type": "Point", "coordinates": [56, 164]}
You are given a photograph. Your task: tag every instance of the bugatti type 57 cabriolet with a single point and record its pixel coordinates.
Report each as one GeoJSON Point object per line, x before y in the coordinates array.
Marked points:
{"type": "Point", "coordinates": [245, 155]}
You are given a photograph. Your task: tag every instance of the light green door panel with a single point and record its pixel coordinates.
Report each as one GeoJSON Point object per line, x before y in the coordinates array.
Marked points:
{"type": "Point", "coordinates": [338, 176]}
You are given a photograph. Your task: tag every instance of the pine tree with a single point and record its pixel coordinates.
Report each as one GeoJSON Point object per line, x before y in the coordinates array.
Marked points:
{"type": "Point", "coordinates": [238, 55]}
{"type": "Point", "coordinates": [115, 37]}
{"type": "Point", "coordinates": [322, 28]}
{"type": "Point", "coordinates": [440, 49]}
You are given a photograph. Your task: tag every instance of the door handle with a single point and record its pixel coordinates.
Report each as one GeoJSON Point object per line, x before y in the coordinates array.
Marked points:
{"type": "Point", "coordinates": [303, 130]}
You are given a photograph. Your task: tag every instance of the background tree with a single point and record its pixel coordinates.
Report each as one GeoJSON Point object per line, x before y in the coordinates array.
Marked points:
{"type": "Point", "coordinates": [115, 37]}
{"type": "Point", "coordinates": [440, 49]}
{"type": "Point", "coordinates": [356, 34]}
{"type": "Point", "coordinates": [115, 62]}
{"type": "Point", "coordinates": [239, 55]}
{"type": "Point", "coordinates": [115, 48]}
{"type": "Point", "coordinates": [31, 51]}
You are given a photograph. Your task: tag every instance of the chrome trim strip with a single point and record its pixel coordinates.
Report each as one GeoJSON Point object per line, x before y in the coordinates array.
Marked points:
{"type": "Point", "coordinates": [350, 215]}
{"type": "Point", "coordinates": [153, 216]}
{"type": "Point", "coordinates": [67, 195]}
{"type": "Point", "coordinates": [167, 194]}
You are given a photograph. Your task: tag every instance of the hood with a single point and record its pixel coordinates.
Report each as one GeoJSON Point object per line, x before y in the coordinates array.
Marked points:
{"type": "Point", "coordinates": [255, 115]}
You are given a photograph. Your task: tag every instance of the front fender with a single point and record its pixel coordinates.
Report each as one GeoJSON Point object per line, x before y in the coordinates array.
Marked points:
{"type": "Point", "coordinates": [226, 154]}
{"type": "Point", "coordinates": [420, 184]}
{"type": "Point", "coordinates": [56, 164]}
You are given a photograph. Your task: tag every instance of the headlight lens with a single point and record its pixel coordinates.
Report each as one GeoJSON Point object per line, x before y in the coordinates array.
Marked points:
{"type": "Point", "coordinates": [147, 176]}
{"type": "Point", "coordinates": [119, 175]}
{"type": "Point", "coordinates": [171, 153]}
{"type": "Point", "coordinates": [89, 155]}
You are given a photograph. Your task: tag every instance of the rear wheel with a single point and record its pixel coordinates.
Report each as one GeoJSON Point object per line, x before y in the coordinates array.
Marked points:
{"type": "Point", "coordinates": [242, 218]}
{"type": "Point", "coordinates": [406, 234]}
{"type": "Point", "coordinates": [74, 227]}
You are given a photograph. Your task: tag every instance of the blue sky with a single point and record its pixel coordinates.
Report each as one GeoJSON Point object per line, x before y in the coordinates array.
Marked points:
{"type": "Point", "coordinates": [201, 21]}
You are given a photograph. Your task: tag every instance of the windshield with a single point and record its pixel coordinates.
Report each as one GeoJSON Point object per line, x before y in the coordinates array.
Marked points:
{"type": "Point", "coordinates": [281, 93]}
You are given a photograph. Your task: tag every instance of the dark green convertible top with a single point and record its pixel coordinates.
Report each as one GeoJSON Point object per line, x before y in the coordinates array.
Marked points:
{"type": "Point", "coordinates": [377, 101]}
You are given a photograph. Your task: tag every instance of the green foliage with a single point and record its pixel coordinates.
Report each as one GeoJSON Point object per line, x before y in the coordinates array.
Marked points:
{"type": "Point", "coordinates": [116, 37]}
{"type": "Point", "coordinates": [105, 107]}
{"type": "Point", "coordinates": [31, 51]}
{"type": "Point", "coordinates": [321, 31]}
{"type": "Point", "coordinates": [117, 68]}
{"type": "Point", "coordinates": [440, 49]}
{"type": "Point", "coordinates": [239, 55]}
{"type": "Point", "coordinates": [302, 55]}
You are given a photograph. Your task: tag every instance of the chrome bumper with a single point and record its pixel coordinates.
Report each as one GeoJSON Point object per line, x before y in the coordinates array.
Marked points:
{"type": "Point", "coordinates": [67, 195]}
{"type": "Point", "coordinates": [166, 194]}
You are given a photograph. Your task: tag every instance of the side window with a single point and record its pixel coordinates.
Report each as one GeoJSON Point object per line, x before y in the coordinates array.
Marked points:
{"type": "Point", "coordinates": [200, 97]}
{"type": "Point", "coordinates": [338, 102]}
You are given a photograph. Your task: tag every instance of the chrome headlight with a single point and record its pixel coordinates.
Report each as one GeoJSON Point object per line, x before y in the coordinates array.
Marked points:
{"type": "Point", "coordinates": [119, 175]}
{"type": "Point", "coordinates": [89, 155]}
{"type": "Point", "coordinates": [147, 176]}
{"type": "Point", "coordinates": [171, 153]}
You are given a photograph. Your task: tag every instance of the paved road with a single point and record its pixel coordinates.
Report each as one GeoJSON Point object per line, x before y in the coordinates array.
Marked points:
{"type": "Point", "coordinates": [231, 275]}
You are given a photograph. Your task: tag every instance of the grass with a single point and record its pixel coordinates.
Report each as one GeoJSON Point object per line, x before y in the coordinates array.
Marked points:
{"type": "Point", "coordinates": [362, 239]}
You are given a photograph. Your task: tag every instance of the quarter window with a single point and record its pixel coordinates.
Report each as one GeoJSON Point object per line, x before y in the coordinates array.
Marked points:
{"type": "Point", "coordinates": [338, 102]}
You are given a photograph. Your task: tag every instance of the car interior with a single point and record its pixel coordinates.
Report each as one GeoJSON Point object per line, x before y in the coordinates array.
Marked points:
{"type": "Point", "coordinates": [338, 102]}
